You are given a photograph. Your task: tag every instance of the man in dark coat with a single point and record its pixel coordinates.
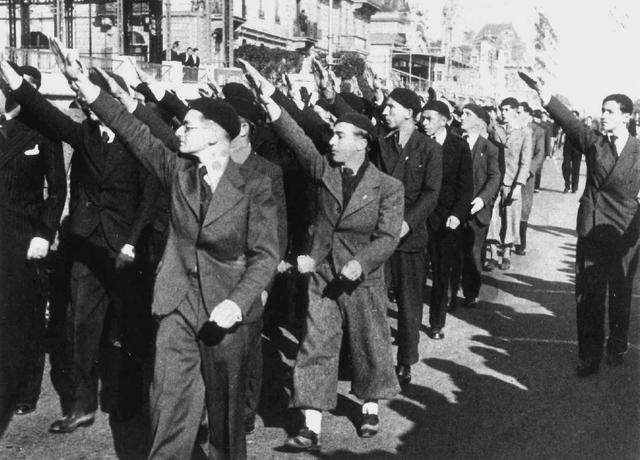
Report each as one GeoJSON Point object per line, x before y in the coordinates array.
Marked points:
{"type": "Point", "coordinates": [451, 211]}
{"type": "Point", "coordinates": [571, 160]}
{"type": "Point", "coordinates": [415, 160]}
{"type": "Point", "coordinates": [112, 199]}
{"type": "Point", "coordinates": [467, 268]}
{"type": "Point", "coordinates": [607, 252]}
{"type": "Point", "coordinates": [30, 223]}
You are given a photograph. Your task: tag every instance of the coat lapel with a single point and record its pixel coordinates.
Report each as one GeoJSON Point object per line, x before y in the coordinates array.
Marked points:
{"type": "Point", "coordinates": [365, 191]}
{"type": "Point", "coordinates": [627, 160]}
{"type": "Point", "coordinates": [229, 191]}
{"type": "Point", "coordinates": [332, 180]}
{"type": "Point", "coordinates": [188, 185]}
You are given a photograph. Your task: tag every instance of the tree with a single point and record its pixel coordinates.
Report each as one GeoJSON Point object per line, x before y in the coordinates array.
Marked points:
{"type": "Point", "coordinates": [270, 62]}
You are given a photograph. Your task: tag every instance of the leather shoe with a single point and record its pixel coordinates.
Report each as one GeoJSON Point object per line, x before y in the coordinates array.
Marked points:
{"type": "Point", "coordinates": [587, 367]}
{"type": "Point", "coordinates": [520, 251]}
{"type": "Point", "coordinates": [435, 334]}
{"type": "Point", "coordinates": [615, 359]}
{"type": "Point", "coordinates": [305, 440]}
{"type": "Point", "coordinates": [24, 408]}
{"type": "Point", "coordinates": [490, 265]}
{"type": "Point", "coordinates": [369, 425]}
{"type": "Point", "coordinates": [403, 372]}
{"type": "Point", "coordinates": [471, 302]}
{"type": "Point", "coordinates": [505, 264]}
{"type": "Point", "coordinates": [71, 422]}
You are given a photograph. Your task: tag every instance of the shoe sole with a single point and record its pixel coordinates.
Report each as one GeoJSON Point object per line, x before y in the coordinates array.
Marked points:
{"type": "Point", "coordinates": [84, 423]}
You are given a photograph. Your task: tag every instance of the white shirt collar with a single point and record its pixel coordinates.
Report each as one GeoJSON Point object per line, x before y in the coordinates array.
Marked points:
{"type": "Point", "coordinates": [12, 113]}
{"type": "Point", "coordinates": [440, 136]}
{"type": "Point", "coordinates": [472, 138]}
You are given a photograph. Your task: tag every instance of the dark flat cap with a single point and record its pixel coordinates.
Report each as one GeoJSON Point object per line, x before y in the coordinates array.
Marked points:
{"type": "Point", "coordinates": [478, 112]}
{"type": "Point", "coordinates": [510, 101]}
{"type": "Point", "coordinates": [359, 121]}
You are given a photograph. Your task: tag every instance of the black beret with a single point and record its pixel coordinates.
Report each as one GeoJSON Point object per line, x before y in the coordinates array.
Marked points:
{"type": "Point", "coordinates": [438, 106]}
{"type": "Point", "coordinates": [478, 111]}
{"type": "Point", "coordinates": [406, 98]}
{"type": "Point", "coordinates": [510, 101]}
{"type": "Point", "coordinates": [219, 112]}
{"type": "Point", "coordinates": [246, 108]}
{"type": "Point", "coordinates": [234, 89]}
{"type": "Point", "coordinates": [32, 72]}
{"type": "Point", "coordinates": [359, 121]}
{"type": "Point", "coordinates": [355, 102]}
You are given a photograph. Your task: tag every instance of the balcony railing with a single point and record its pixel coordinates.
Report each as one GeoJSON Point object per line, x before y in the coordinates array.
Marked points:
{"type": "Point", "coordinates": [308, 30]}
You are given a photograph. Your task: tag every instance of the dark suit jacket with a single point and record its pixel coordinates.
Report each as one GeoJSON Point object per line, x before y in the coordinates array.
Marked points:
{"type": "Point", "coordinates": [456, 192]}
{"type": "Point", "coordinates": [254, 162]}
{"type": "Point", "coordinates": [486, 176]}
{"type": "Point", "coordinates": [109, 187]}
{"type": "Point", "coordinates": [233, 252]}
{"type": "Point", "coordinates": [419, 168]}
{"type": "Point", "coordinates": [27, 158]}
{"type": "Point", "coordinates": [367, 229]}
{"type": "Point", "coordinates": [609, 206]}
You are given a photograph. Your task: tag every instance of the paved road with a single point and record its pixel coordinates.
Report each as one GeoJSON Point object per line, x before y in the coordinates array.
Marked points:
{"type": "Point", "coordinates": [500, 386]}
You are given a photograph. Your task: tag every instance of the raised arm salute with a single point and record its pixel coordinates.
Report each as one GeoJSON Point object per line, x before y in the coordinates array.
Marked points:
{"type": "Point", "coordinates": [608, 227]}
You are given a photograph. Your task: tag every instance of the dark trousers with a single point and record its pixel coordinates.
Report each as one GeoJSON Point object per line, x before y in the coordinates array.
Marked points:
{"type": "Point", "coordinates": [443, 250]}
{"type": "Point", "coordinates": [467, 268]}
{"type": "Point", "coordinates": [336, 306]}
{"type": "Point", "coordinates": [408, 276]}
{"type": "Point", "coordinates": [25, 295]}
{"type": "Point", "coordinates": [97, 287]}
{"type": "Point", "coordinates": [198, 365]}
{"type": "Point", "coordinates": [254, 370]}
{"type": "Point", "coordinates": [571, 170]}
{"type": "Point", "coordinates": [538, 179]}
{"type": "Point", "coordinates": [602, 267]}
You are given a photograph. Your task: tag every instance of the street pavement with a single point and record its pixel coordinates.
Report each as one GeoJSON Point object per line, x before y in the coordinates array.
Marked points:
{"type": "Point", "coordinates": [501, 385]}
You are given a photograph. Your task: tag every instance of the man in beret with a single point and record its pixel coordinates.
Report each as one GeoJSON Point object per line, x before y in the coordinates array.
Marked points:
{"type": "Point", "coordinates": [356, 229]}
{"type": "Point", "coordinates": [514, 138]}
{"type": "Point", "coordinates": [608, 247]}
{"type": "Point", "coordinates": [112, 200]}
{"type": "Point", "coordinates": [444, 224]}
{"type": "Point", "coordinates": [29, 164]}
{"type": "Point", "coordinates": [467, 268]}
{"type": "Point", "coordinates": [416, 160]}
{"type": "Point", "coordinates": [537, 159]}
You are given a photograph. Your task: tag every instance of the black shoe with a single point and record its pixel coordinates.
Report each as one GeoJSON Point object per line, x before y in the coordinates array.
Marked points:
{"type": "Point", "coordinates": [490, 265]}
{"type": "Point", "coordinates": [615, 359]}
{"type": "Point", "coordinates": [369, 426]}
{"type": "Point", "coordinates": [435, 333]}
{"type": "Point", "coordinates": [587, 367]}
{"type": "Point", "coordinates": [566, 190]}
{"type": "Point", "coordinates": [24, 408]}
{"type": "Point", "coordinates": [453, 304]}
{"type": "Point", "coordinates": [71, 422]}
{"type": "Point", "coordinates": [520, 251]}
{"type": "Point", "coordinates": [574, 191]}
{"type": "Point", "coordinates": [403, 372]}
{"type": "Point", "coordinates": [249, 425]}
{"type": "Point", "coordinates": [305, 440]}
{"type": "Point", "coordinates": [471, 302]}
{"type": "Point", "coordinates": [505, 264]}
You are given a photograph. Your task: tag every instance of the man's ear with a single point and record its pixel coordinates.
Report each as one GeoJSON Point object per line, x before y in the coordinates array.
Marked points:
{"type": "Point", "coordinates": [245, 129]}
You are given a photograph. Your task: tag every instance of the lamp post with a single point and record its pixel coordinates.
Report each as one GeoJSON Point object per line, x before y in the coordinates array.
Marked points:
{"type": "Point", "coordinates": [330, 35]}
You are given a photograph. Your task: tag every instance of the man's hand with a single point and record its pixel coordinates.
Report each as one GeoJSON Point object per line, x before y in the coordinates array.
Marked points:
{"type": "Point", "coordinates": [284, 267]}
{"type": "Point", "coordinates": [476, 205]}
{"type": "Point", "coordinates": [405, 229]}
{"type": "Point", "coordinates": [118, 92]}
{"type": "Point", "coordinates": [125, 257]}
{"type": "Point", "coordinates": [142, 76]}
{"type": "Point", "coordinates": [226, 314]}
{"type": "Point", "coordinates": [452, 222]}
{"type": "Point", "coordinates": [352, 270]}
{"type": "Point", "coordinates": [67, 59]}
{"type": "Point", "coordinates": [38, 248]}
{"type": "Point", "coordinates": [10, 76]}
{"type": "Point", "coordinates": [263, 297]}
{"type": "Point", "coordinates": [266, 88]}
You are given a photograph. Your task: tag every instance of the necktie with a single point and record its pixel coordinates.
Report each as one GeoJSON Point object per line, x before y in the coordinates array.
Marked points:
{"type": "Point", "coordinates": [205, 192]}
{"type": "Point", "coordinates": [612, 141]}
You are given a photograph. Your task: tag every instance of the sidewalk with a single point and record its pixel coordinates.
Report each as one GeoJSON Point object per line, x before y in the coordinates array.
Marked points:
{"type": "Point", "coordinates": [499, 386]}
